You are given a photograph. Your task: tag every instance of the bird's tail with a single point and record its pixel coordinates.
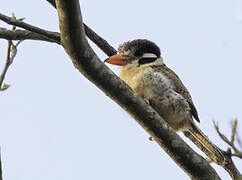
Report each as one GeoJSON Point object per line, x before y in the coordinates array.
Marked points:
{"type": "Point", "coordinates": [211, 150]}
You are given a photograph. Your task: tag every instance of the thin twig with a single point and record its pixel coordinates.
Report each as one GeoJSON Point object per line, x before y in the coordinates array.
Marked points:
{"type": "Point", "coordinates": [239, 155]}
{"type": "Point", "coordinates": [229, 166]}
{"type": "Point", "coordinates": [7, 64]}
{"type": "Point", "coordinates": [236, 153]}
{"type": "Point", "coordinates": [11, 53]}
{"type": "Point", "coordinates": [234, 127]}
{"type": "Point", "coordinates": [239, 141]}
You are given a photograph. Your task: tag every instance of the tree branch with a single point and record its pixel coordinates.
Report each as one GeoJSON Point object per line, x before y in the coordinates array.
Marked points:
{"type": "Point", "coordinates": [7, 64]}
{"type": "Point", "coordinates": [29, 27]}
{"type": "Point", "coordinates": [11, 53]}
{"type": "Point", "coordinates": [86, 61]}
{"type": "Point", "coordinates": [230, 166]}
{"type": "Point", "coordinates": [54, 36]}
{"type": "Point", "coordinates": [236, 153]}
{"type": "Point", "coordinates": [24, 35]}
{"type": "Point", "coordinates": [94, 37]}
{"type": "Point", "coordinates": [99, 41]}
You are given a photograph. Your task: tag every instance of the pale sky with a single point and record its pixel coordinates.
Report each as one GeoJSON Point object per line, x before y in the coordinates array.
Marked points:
{"type": "Point", "coordinates": [56, 125]}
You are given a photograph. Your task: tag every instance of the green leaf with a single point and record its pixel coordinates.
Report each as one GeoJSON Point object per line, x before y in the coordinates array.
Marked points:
{"type": "Point", "coordinates": [13, 16]}
{"type": "Point", "coordinates": [234, 123]}
{"type": "Point", "coordinates": [5, 87]}
{"type": "Point", "coordinates": [21, 19]}
{"type": "Point", "coordinates": [215, 124]}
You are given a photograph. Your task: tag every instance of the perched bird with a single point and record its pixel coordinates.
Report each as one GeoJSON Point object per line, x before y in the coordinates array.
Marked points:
{"type": "Point", "coordinates": [144, 71]}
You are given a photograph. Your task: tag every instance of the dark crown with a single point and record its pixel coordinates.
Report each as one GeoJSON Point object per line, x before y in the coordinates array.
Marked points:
{"type": "Point", "coordinates": [140, 46]}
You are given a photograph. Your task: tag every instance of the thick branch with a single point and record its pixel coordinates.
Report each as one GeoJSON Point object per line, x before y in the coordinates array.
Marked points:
{"type": "Point", "coordinates": [86, 61]}
{"type": "Point", "coordinates": [24, 35]}
{"type": "Point", "coordinates": [230, 166]}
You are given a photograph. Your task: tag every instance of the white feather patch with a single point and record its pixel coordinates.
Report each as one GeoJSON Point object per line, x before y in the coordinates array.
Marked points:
{"type": "Point", "coordinates": [149, 55]}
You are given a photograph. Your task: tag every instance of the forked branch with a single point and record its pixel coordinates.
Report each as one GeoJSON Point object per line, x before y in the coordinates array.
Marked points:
{"type": "Point", "coordinates": [234, 136]}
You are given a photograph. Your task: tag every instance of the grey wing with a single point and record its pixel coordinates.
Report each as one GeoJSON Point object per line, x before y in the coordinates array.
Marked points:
{"type": "Point", "coordinates": [179, 88]}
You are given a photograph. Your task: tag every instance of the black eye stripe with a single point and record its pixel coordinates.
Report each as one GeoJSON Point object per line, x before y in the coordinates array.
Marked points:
{"type": "Point", "coordinates": [146, 60]}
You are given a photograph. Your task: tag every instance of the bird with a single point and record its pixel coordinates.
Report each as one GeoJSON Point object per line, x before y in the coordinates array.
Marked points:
{"type": "Point", "coordinates": [143, 69]}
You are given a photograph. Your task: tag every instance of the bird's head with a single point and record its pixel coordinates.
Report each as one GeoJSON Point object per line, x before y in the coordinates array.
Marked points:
{"type": "Point", "coordinates": [136, 53]}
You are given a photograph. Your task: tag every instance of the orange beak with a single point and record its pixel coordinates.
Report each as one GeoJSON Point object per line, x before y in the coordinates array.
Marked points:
{"type": "Point", "coordinates": [117, 59]}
